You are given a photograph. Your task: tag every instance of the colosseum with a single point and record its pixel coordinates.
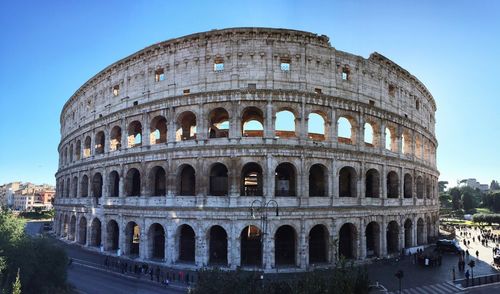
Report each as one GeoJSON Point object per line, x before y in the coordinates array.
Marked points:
{"type": "Point", "coordinates": [253, 148]}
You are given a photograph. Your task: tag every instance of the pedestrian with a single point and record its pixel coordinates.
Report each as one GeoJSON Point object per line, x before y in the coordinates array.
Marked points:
{"type": "Point", "coordinates": [468, 242]}
{"type": "Point", "coordinates": [453, 275]}
{"type": "Point", "coordinates": [467, 275]}
{"type": "Point", "coordinates": [151, 273]}
{"type": "Point", "coordinates": [477, 254]}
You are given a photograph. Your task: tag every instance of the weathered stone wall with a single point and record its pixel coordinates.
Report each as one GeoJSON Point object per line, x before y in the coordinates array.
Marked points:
{"type": "Point", "coordinates": [320, 80]}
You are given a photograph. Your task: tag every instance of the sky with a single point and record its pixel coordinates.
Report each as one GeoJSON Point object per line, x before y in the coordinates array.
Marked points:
{"type": "Point", "coordinates": [48, 49]}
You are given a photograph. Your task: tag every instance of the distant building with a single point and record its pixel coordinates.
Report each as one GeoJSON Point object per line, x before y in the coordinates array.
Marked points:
{"type": "Point", "coordinates": [26, 196]}
{"type": "Point", "coordinates": [474, 184]}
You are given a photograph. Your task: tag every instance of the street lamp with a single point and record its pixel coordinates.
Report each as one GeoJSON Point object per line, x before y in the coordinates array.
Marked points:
{"type": "Point", "coordinates": [262, 208]}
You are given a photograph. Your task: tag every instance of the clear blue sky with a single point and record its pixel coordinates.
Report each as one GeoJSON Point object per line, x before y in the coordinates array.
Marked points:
{"type": "Point", "coordinates": [48, 49]}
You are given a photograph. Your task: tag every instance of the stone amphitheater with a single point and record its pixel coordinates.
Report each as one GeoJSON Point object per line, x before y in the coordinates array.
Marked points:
{"type": "Point", "coordinates": [177, 155]}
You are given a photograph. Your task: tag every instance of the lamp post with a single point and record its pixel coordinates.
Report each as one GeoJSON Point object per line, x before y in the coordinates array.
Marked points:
{"type": "Point", "coordinates": [262, 208]}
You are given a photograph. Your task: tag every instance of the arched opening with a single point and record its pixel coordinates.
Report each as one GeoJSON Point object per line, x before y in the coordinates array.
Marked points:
{"type": "Point", "coordinates": [65, 229]}
{"type": "Point", "coordinates": [408, 225]}
{"type": "Point", "coordinates": [134, 134]}
{"type": "Point", "coordinates": [392, 185]}
{"type": "Point", "coordinates": [252, 122]}
{"type": "Point", "coordinates": [99, 142]}
{"type": "Point", "coordinates": [392, 237]}
{"type": "Point", "coordinates": [285, 124]}
{"type": "Point", "coordinates": [158, 180]}
{"type": "Point", "coordinates": [427, 188]}
{"type": "Point", "coordinates": [318, 179]}
{"type": "Point", "coordinates": [408, 186]}
{"type": "Point", "coordinates": [114, 184]}
{"type": "Point", "coordinates": [388, 139]}
{"type": "Point", "coordinates": [347, 241]}
{"type": "Point", "coordinates": [251, 246]}
{"type": "Point", "coordinates": [420, 232]}
{"type": "Point", "coordinates": [82, 231]}
{"type": "Point", "coordinates": [251, 180]}
{"type": "Point", "coordinates": [86, 147]}
{"type": "Point", "coordinates": [369, 135]}
{"type": "Point", "coordinates": [115, 142]}
{"type": "Point", "coordinates": [372, 184]}
{"type": "Point", "coordinates": [218, 123]}
{"type": "Point", "coordinates": [95, 233]}
{"type": "Point", "coordinates": [65, 155]}
{"type": "Point", "coordinates": [132, 239]}
{"type": "Point", "coordinates": [113, 236]}
{"type": "Point", "coordinates": [71, 153]}
{"type": "Point", "coordinates": [429, 233]}
{"type": "Point", "coordinates": [97, 185]}
{"type": "Point", "coordinates": [133, 183]}
{"type": "Point", "coordinates": [406, 143]}
{"type": "Point", "coordinates": [285, 179]}
{"type": "Point", "coordinates": [372, 234]}
{"type": "Point", "coordinates": [187, 181]}
{"type": "Point", "coordinates": [68, 187]}
{"type": "Point", "coordinates": [316, 127]}
{"type": "Point", "coordinates": [74, 186]}
{"type": "Point", "coordinates": [347, 182]}
{"type": "Point", "coordinates": [84, 186]}
{"type": "Point", "coordinates": [418, 146]}
{"type": "Point", "coordinates": [218, 180]}
{"type": "Point", "coordinates": [345, 131]}
{"type": "Point", "coordinates": [78, 149]}
{"type": "Point", "coordinates": [72, 229]}
{"type": "Point", "coordinates": [156, 238]}
{"type": "Point", "coordinates": [186, 244]}
{"type": "Point", "coordinates": [158, 130]}
{"type": "Point", "coordinates": [186, 127]}
{"type": "Point", "coordinates": [420, 187]}
{"type": "Point", "coordinates": [284, 246]}
{"type": "Point", "coordinates": [318, 245]}
{"type": "Point", "coordinates": [218, 246]}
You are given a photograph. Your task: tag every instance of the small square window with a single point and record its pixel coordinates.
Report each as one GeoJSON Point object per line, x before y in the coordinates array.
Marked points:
{"type": "Point", "coordinates": [218, 64]}
{"type": "Point", "coordinates": [159, 75]}
{"type": "Point", "coordinates": [136, 103]}
{"type": "Point", "coordinates": [252, 86]}
{"type": "Point", "coordinates": [345, 73]}
{"type": "Point", "coordinates": [285, 64]}
{"type": "Point", "coordinates": [392, 90]}
{"type": "Point", "coordinates": [417, 104]}
{"type": "Point", "coordinates": [371, 102]}
{"type": "Point", "coordinates": [317, 91]}
{"type": "Point", "coordinates": [186, 91]}
{"type": "Point", "coordinates": [116, 90]}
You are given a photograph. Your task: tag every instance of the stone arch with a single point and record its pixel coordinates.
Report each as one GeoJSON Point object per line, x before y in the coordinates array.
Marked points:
{"type": "Point", "coordinates": [219, 180]}
{"type": "Point", "coordinates": [100, 140]}
{"type": "Point", "coordinates": [420, 232]}
{"type": "Point", "coordinates": [251, 183]}
{"type": "Point", "coordinates": [187, 180]}
{"type": "Point", "coordinates": [285, 240]}
{"type": "Point", "coordinates": [372, 184]}
{"type": "Point", "coordinates": [427, 188]}
{"type": "Point", "coordinates": [391, 138]}
{"type": "Point", "coordinates": [158, 130]}
{"type": "Point", "coordinates": [429, 228]}
{"type": "Point", "coordinates": [158, 181]}
{"type": "Point", "coordinates": [369, 135]}
{"type": "Point", "coordinates": [346, 129]}
{"type": "Point", "coordinates": [86, 146]}
{"type": "Point", "coordinates": [112, 235]}
{"type": "Point", "coordinates": [317, 126]}
{"type": "Point", "coordinates": [78, 149]}
{"type": "Point", "coordinates": [132, 239]}
{"type": "Point", "coordinates": [218, 123]}
{"type": "Point", "coordinates": [82, 231]}
{"type": "Point", "coordinates": [408, 186]}
{"type": "Point", "coordinates": [71, 153]}
{"type": "Point", "coordinates": [133, 182]}
{"type": "Point", "coordinates": [156, 241]}
{"type": "Point", "coordinates": [95, 232]}
{"type": "Point", "coordinates": [115, 142]}
{"type": "Point", "coordinates": [392, 185]}
{"type": "Point", "coordinates": [251, 246]}
{"type": "Point", "coordinates": [318, 244]}
{"type": "Point", "coordinates": [84, 186]}
{"type": "Point", "coordinates": [134, 134]}
{"type": "Point", "coordinates": [347, 182]}
{"type": "Point", "coordinates": [318, 180]}
{"type": "Point", "coordinates": [97, 185]}
{"type": "Point", "coordinates": [68, 187]}
{"type": "Point", "coordinates": [65, 226]}
{"type": "Point", "coordinates": [187, 243]}
{"type": "Point", "coordinates": [420, 187]}
{"type": "Point", "coordinates": [372, 236]}
{"type": "Point", "coordinates": [186, 126]}
{"type": "Point", "coordinates": [72, 228]}
{"type": "Point", "coordinates": [217, 253]}
{"type": "Point", "coordinates": [285, 124]}
{"type": "Point", "coordinates": [114, 184]}
{"type": "Point", "coordinates": [406, 142]}
{"type": "Point", "coordinates": [392, 237]}
{"type": "Point", "coordinates": [252, 122]}
{"type": "Point", "coordinates": [285, 179]}
{"type": "Point", "coordinates": [74, 187]}
{"type": "Point", "coordinates": [347, 241]}
{"type": "Point", "coordinates": [408, 237]}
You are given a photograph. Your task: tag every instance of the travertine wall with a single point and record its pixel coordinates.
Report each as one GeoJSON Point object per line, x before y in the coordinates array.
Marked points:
{"type": "Point", "coordinates": [320, 80]}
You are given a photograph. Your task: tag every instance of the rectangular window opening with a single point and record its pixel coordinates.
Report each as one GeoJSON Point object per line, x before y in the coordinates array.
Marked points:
{"type": "Point", "coordinates": [317, 91]}
{"type": "Point", "coordinates": [285, 64]}
{"type": "Point", "coordinates": [116, 90]}
{"type": "Point", "coordinates": [160, 75]}
{"type": "Point", "coordinates": [218, 64]}
{"type": "Point", "coordinates": [252, 86]}
{"type": "Point", "coordinates": [345, 73]}
{"type": "Point", "coordinates": [186, 91]}
{"type": "Point", "coordinates": [392, 90]}
{"type": "Point", "coordinates": [372, 103]}
{"type": "Point", "coordinates": [136, 103]}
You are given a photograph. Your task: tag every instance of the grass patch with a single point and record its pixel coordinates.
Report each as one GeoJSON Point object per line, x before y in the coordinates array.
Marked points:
{"type": "Point", "coordinates": [484, 211]}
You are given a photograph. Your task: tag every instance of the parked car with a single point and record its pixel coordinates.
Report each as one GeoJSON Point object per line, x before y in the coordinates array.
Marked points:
{"type": "Point", "coordinates": [448, 246]}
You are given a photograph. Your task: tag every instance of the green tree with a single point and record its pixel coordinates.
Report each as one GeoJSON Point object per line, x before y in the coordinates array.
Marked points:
{"type": "Point", "coordinates": [468, 201]}
{"type": "Point", "coordinates": [442, 185]}
{"type": "Point", "coordinates": [494, 185]}
{"type": "Point", "coordinates": [16, 288]}
{"type": "Point", "coordinates": [455, 197]}
{"type": "Point", "coordinates": [445, 200]}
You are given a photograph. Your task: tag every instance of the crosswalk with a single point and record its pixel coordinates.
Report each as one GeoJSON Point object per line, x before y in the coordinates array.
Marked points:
{"type": "Point", "coordinates": [442, 288]}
